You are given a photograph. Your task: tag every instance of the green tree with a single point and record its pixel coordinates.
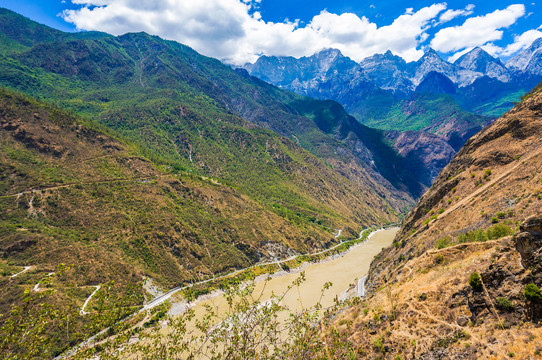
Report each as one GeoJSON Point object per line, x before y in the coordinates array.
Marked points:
{"type": "Point", "coordinates": [475, 281]}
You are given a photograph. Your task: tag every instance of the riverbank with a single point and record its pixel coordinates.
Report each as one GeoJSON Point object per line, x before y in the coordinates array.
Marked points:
{"type": "Point", "coordinates": [320, 268]}
{"type": "Point", "coordinates": [342, 269]}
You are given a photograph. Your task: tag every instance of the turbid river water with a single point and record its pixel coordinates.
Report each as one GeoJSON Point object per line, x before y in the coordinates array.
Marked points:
{"type": "Point", "coordinates": [342, 271]}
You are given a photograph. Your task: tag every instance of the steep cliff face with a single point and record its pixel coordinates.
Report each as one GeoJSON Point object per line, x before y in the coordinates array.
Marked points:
{"type": "Point", "coordinates": [461, 279]}
{"type": "Point", "coordinates": [422, 153]}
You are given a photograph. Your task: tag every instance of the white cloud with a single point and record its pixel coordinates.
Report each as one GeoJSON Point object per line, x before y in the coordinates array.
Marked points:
{"type": "Point", "coordinates": [452, 14]}
{"type": "Point", "coordinates": [521, 42]}
{"type": "Point", "coordinates": [234, 31]}
{"type": "Point", "coordinates": [477, 31]}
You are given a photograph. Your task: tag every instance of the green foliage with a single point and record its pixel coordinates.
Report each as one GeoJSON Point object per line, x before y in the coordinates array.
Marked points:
{"type": "Point", "coordinates": [251, 328]}
{"type": "Point", "coordinates": [475, 281]}
{"type": "Point", "coordinates": [498, 231]}
{"type": "Point", "coordinates": [443, 242]}
{"type": "Point", "coordinates": [504, 303]}
{"type": "Point", "coordinates": [378, 344]}
{"type": "Point", "coordinates": [439, 259]}
{"type": "Point", "coordinates": [532, 293]}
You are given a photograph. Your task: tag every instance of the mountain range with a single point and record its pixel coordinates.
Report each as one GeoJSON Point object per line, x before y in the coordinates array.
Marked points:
{"type": "Point", "coordinates": [390, 72]}
{"type": "Point", "coordinates": [452, 101]}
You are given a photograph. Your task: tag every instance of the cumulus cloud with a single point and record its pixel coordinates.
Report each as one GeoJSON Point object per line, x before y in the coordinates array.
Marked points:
{"type": "Point", "coordinates": [521, 42]}
{"type": "Point", "coordinates": [449, 15]}
{"type": "Point", "coordinates": [477, 31]}
{"type": "Point", "coordinates": [233, 30]}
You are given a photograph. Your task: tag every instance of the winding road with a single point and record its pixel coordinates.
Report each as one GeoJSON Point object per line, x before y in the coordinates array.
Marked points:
{"type": "Point", "coordinates": [162, 298]}
{"type": "Point", "coordinates": [26, 268]}
{"type": "Point", "coordinates": [83, 312]}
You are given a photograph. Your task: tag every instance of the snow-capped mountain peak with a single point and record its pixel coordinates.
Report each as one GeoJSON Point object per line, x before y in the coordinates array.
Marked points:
{"type": "Point", "coordinates": [479, 61]}
{"type": "Point", "coordinates": [529, 60]}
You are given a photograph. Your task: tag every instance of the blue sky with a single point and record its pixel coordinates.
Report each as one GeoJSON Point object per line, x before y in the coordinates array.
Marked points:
{"type": "Point", "coordinates": [239, 31]}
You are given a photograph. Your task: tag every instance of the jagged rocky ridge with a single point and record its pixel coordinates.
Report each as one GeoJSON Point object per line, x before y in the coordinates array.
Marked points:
{"type": "Point", "coordinates": [450, 100]}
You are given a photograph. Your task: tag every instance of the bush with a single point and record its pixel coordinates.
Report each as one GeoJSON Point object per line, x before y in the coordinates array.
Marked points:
{"type": "Point", "coordinates": [443, 242]}
{"type": "Point", "coordinates": [494, 220]}
{"type": "Point", "coordinates": [439, 259]}
{"type": "Point", "coordinates": [532, 293]}
{"type": "Point", "coordinates": [498, 231]}
{"type": "Point", "coordinates": [501, 215]}
{"type": "Point", "coordinates": [504, 303]}
{"type": "Point", "coordinates": [495, 232]}
{"type": "Point", "coordinates": [475, 281]}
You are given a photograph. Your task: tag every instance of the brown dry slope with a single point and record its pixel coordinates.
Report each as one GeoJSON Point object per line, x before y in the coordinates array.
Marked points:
{"type": "Point", "coordinates": [483, 215]}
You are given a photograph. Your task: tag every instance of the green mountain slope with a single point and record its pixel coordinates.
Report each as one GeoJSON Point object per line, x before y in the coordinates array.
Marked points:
{"type": "Point", "coordinates": [111, 79]}
{"type": "Point", "coordinates": [133, 157]}
{"type": "Point", "coordinates": [71, 194]}
{"type": "Point", "coordinates": [438, 114]}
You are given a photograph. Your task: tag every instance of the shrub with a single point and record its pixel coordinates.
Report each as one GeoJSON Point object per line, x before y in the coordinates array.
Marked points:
{"type": "Point", "coordinates": [532, 293]}
{"type": "Point", "coordinates": [443, 242]}
{"type": "Point", "coordinates": [475, 281]}
{"type": "Point", "coordinates": [504, 303]}
{"type": "Point", "coordinates": [378, 344]}
{"type": "Point", "coordinates": [494, 220]}
{"type": "Point", "coordinates": [439, 259]}
{"type": "Point", "coordinates": [501, 215]}
{"type": "Point", "coordinates": [498, 231]}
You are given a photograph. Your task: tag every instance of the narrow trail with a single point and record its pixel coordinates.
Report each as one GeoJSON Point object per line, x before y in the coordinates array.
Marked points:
{"type": "Point", "coordinates": [49, 188]}
{"type": "Point", "coordinates": [26, 268]}
{"type": "Point", "coordinates": [37, 286]}
{"type": "Point", "coordinates": [83, 312]}
{"type": "Point", "coordinates": [535, 152]}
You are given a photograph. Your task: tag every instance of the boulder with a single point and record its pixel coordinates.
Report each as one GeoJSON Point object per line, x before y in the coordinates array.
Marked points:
{"type": "Point", "coordinates": [462, 321]}
{"type": "Point", "coordinates": [532, 225]}
{"type": "Point", "coordinates": [529, 241]}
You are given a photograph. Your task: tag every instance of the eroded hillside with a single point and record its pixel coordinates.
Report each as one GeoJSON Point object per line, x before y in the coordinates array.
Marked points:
{"type": "Point", "coordinates": [458, 281]}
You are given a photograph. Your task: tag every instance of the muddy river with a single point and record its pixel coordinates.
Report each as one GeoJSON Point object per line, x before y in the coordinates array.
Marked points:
{"type": "Point", "coordinates": [344, 272]}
